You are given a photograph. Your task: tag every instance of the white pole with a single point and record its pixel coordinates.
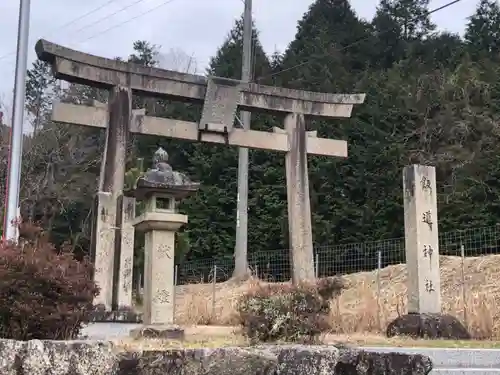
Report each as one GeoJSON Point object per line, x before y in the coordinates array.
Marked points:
{"type": "Point", "coordinates": [16, 140]}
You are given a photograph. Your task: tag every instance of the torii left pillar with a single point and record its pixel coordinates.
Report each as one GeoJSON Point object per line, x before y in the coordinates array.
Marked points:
{"type": "Point", "coordinates": [107, 236]}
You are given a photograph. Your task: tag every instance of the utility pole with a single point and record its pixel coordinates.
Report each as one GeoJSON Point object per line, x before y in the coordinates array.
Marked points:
{"type": "Point", "coordinates": [16, 139]}
{"type": "Point", "coordinates": [240, 251]}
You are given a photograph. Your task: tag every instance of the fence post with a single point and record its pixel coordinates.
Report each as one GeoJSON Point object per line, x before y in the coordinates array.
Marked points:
{"type": "Point", "coordinates": [464, 294]}
{"type": "Point", "coordinates": [316, 265]}
{"type": "Point", "coordinates": [214, 282]}
{"type": "Point", "coordinates": [176, 270]}
{"type": "Point", "coordinates": [379, 287]}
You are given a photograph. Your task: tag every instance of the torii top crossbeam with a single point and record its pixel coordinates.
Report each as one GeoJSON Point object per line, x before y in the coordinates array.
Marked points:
{"type": "Point", "coordinates": [78, 67]}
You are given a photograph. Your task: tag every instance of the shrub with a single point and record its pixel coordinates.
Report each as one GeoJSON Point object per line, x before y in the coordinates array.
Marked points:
{"type": "Point", "coordinates": [44, 293]}
{"type": "Point", "coordinates": [286, 312]}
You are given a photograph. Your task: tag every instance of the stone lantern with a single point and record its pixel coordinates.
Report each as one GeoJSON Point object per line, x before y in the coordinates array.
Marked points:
{"type": "Point", "coordinates": [161, 189]}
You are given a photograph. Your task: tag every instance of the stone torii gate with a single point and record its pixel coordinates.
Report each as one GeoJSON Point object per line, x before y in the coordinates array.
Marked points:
{"type": "Point", "coordinates": [221, 97]}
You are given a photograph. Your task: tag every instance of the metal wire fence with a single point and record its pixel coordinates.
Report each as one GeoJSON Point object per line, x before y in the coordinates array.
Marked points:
{"type": "Point", "coordinates": [379, 294]}
{"type": "Point", "coordinates": [274, 265]}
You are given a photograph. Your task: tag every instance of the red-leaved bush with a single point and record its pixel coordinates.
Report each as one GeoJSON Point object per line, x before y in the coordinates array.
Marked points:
{"type": "Point", "coordinates": [45, 293]}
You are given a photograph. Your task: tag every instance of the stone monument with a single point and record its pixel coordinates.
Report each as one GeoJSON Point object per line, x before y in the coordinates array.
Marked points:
{"type": "Point", "coordinates": [424, 318]}
{"type": "Point", "coordinates": [422, 239]}
{"type": "Point", "coordinates": [161, 188]}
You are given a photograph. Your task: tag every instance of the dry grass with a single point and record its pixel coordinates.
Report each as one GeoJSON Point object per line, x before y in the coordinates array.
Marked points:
{"type": "Point", "coordinates": [359, 340]}
{"type": "Point", "coordinates": [224, 336]}
{"type": "Point", "coordinates": [196, 337]}
{"type": "Point", "coordinates": [356, 310]}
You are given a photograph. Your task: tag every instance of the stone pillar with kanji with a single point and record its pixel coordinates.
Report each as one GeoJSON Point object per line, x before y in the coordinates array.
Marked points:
{"type": "Point", "coordinates": [424, 318]}
{"type": "Point", "coordinates": [422, 239]}
{"type": "Point", "coordinates": [161, 188]}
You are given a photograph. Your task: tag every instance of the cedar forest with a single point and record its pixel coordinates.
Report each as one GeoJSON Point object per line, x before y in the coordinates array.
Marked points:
{"type": "Point", "coordinates": [432, 98]}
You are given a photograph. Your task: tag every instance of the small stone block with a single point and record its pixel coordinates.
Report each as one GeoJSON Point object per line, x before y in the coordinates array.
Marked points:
{"type": "Point", "coordinates": [170, 332]}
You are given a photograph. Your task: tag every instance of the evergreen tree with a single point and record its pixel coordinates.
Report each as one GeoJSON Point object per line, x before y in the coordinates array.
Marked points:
{"type": "Point", "coordinates": [483, 30]}
{"type": "Point", "coordinates": [397, 25]}
{"type": "Point", "coordinates": [145, 53]}
{"type": "Point", "coordinates": [439, 50]}
{"type": "Point", "coordinates": [41, 90]}
{"type": "Point", "coordinates": [410, 16]}
{"type": "Point", "coordinates": [329, 57]}
{"type": "Point", "coordinates": [410, 116]}
{"type": "Point", "coordinates": [331, 47]}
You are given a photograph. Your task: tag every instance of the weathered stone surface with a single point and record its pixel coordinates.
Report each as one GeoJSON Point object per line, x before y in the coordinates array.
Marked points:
{"type": "Point", "coordinates": [78, 67]}
{"type": "Point", "coordinates": [310, 360]}
{"type": "Point", "coordinates": [358, 362]}
{"type": "Point", "coordinates": [428, 326]}
{"type": "Point", "coordinates": [126, 270]}
{"type": "Point", "coordinates": [162, 175]}
{"type": "Point", "coordinates": [161, 332]}
{"type": "Point", "coordinates": [9, 350]}
{"type": "Point", "coordinates": [166, 127]}
{"type": "Point", "coordinates": [344, 360]}
{"type": "Point", "coordinates": [222, 361]}
{"type": "Point", "coordinates": [98, 358]}
{"type": "Point", "coordinates": [161, 189]}
{"type": "Point", "coordinates": [56, 358]}
{"type": "Point", "coordinates": [421, 239]}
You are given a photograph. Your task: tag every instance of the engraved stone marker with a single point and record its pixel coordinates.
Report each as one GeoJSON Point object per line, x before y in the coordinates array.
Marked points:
{"type": "Point", "coordinates": [421, 239]}
{"type": "Point", "coordinates": [104, 234]}
{"type": "Point", "coordinates": [126, 251]}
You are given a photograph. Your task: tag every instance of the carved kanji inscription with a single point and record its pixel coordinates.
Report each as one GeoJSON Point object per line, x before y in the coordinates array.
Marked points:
{"type": "Point", "coordinates": [164, 251]}
{"type": "Point", "coordinates": [161, 296]}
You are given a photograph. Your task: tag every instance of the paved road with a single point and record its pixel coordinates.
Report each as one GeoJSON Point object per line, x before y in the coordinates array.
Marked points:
{"type": "Point", "coordinates": [446, 361]}
{"type": "Point", "coordinates": [457, 361]}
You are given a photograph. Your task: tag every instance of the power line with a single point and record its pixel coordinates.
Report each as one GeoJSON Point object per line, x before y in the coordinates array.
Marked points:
{"type": "Point", "coordinates": [85, 15]}
{"type": "Point", "coordinates": [68, 23]}
{"type": "Point", "coordinates": [308, 61]}
{"type": "Point", "coordinates": [127, 21]}
{"type": "Point", "coordinates": [121, 23]}
{"type": "Point", "coordinates": [108, 16]}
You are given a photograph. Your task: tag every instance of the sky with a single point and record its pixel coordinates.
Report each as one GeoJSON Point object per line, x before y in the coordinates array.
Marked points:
{"type": "Point", "coordinates": [195, 27]}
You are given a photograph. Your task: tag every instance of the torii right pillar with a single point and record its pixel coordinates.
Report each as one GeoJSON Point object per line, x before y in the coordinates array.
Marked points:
{"type": "Point", "coordinates": [299, 206]}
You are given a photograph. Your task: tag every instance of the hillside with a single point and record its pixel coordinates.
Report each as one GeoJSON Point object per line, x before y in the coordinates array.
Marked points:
{"type": "Point", "coordinates": [356, 310]}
